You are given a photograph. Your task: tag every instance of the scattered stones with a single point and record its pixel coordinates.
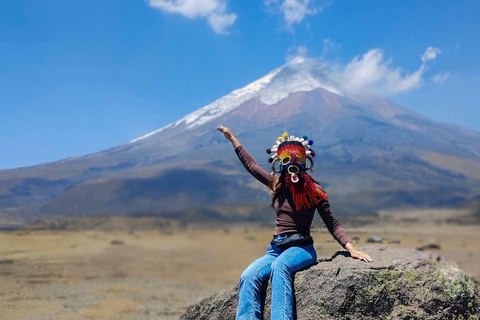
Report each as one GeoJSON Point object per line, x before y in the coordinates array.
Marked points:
{"type": "Point", "coordinates": [355, 239]}
{"type": "Point", "coordinates": [6, 261]}
{"type": "Point", "coordinates": [430, 246]}
{"type": "Point", "coordinates": [117, 242]}
{"type": "Point", "coordinates": [396, 241]}
{"type": "Point", "coordinates": [374, 239]}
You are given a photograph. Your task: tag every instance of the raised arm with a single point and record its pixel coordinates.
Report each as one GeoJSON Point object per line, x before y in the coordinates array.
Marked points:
{"type": "Point", "coordinates": [247, 160]}
{"type": "Point", "coordinates": [337, 231]}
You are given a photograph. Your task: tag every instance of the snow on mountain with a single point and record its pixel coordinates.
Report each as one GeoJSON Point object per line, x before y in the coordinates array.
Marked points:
{"type": "Point", "coordinates": [299, 74]}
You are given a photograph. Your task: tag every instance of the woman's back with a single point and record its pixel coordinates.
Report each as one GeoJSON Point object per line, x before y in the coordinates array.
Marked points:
{"type": "Point", "coordinates": [290, 220]}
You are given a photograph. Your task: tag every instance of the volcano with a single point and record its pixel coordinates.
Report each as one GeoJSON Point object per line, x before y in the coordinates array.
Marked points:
{"type": "Point", "coordinates": [372, 154]}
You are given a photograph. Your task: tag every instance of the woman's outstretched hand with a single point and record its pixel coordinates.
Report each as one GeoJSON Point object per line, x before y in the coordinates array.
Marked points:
{"type": "Point", "coordinates": [357, 254]}
{"type": "Point", "coordinates": [229, 135]}
{"type": "Point", "coordinates": [227, 132]}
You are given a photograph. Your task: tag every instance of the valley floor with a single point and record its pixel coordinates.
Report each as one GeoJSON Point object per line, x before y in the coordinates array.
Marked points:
{"type": "Point", "coordinates": [158, 274]}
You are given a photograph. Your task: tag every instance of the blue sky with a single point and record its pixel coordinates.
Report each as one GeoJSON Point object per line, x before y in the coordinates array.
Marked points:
{"type": "Point", "coordinates": [79, 76]}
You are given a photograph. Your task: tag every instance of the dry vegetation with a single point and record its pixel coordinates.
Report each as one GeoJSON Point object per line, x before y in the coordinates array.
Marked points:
{"type": "Point", "coordinates": [157, 274]}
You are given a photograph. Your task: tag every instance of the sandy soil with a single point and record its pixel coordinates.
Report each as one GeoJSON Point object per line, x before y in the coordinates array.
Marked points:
{"type": "Point", "coordinates": [157, 275]}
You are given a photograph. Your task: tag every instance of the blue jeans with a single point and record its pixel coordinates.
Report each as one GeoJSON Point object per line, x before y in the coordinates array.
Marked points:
{"type": "Point", "coordinates": [279, 265]}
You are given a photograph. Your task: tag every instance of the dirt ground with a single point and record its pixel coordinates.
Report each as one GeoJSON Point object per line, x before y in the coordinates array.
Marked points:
{"type": "Point", "coordinates": [158, 274]}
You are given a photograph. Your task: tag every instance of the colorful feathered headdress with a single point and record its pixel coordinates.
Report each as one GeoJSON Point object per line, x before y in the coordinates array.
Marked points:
{"type": "Point", "coordinates": [292, 154]}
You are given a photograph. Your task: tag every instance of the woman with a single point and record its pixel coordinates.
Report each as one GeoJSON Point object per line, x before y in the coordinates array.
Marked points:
{"type": "Point", "coordinates": [296, 196]}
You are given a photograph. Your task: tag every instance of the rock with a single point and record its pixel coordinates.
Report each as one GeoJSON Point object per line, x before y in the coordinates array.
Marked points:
{"type": "Point", "coordinates": [429, 246]}
{"type": "Point", "coordinates": [117, 242]}
{"type": "Point", "coordinates": [396, 241]}
{"type": "Point", "coordinates": [355, 239]}
{"type": "Point", "coordinates": [401, 283]}
{"type": "Point", "coordinates": [374, 239]}
{"type": "Point", "coordinates": [6, 261]}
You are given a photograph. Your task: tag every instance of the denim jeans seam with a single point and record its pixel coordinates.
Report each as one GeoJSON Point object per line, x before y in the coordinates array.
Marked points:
{"type": "Point", "coordinates": [256, 274]}
{"type": "Point", "coordinates": [284, 293]}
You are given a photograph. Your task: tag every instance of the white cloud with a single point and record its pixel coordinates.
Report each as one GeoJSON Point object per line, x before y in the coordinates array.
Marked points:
{"type": "Point", "coordinates": [215, 11]}
{"type": "Point", "coordinates": [431, 54]}
{"type": "Point", "coordinates": [220, 22]}
{"type": "Point", "coordinates": [371, 73]}
{"type": "Point", "coordinates": [440, 78]}
{"type": "Point", "coordinates": [293, 11]}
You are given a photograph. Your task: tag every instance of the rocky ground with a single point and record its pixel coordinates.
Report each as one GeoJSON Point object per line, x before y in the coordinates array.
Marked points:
{"type": "Point", "coordinates": [401, 283]}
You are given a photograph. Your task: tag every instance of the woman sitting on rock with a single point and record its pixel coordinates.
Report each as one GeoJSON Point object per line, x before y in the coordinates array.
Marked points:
{"type": "Point", "coordinates": [296, 196]}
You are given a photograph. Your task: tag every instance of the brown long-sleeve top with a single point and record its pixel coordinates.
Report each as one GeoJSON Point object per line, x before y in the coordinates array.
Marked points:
{"type": "Point", "coordinates": [289, 220]}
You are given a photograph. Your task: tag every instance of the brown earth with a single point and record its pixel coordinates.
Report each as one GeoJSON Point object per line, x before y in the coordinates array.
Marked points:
{"type": "Point", "coordinates": [158, 274]}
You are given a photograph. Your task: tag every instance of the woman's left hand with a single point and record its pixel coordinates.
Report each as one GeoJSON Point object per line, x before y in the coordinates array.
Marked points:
{"type": "Point", "coordinates": [358, 254]}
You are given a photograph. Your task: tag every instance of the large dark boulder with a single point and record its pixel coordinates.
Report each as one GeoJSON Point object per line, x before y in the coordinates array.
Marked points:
{"type": "Point", "coordinates": [399, 284]}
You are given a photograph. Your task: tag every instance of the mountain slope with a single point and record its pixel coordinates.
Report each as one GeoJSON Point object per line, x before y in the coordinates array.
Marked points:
{"type": "Point", "coordinates": [371, 154]}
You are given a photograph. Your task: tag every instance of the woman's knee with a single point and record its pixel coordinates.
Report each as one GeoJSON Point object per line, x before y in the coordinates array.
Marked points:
{"type": "Point", "coordinates": [246, 276]}
{"type": "Point", "coordinates": [251, 277]}
{"type": "Point", "coordinates": [293, 260]}
{"type": "Point", "coordinates": [279, 266]}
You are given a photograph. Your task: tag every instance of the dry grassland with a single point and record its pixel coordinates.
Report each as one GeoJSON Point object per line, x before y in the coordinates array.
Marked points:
{"type": "Point", "coordinates": [158, 274]}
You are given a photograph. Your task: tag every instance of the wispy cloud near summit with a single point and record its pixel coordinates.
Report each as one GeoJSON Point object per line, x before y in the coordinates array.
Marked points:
{"type": "Point", "coordinates": [373, 73]}
{"type": "Point", "coordinates": [369, 73]}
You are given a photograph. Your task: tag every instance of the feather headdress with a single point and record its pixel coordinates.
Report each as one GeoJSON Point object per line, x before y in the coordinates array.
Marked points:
{"type": "Point", "coordinates": [292, 154]}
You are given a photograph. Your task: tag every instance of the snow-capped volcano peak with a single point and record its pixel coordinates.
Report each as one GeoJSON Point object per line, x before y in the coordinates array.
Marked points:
{"type": "Point", "coordinates": [299, 74]}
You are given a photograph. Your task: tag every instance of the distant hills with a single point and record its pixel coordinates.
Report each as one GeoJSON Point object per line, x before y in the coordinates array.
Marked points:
{"type": "Point", "coordinates": [371, 154]}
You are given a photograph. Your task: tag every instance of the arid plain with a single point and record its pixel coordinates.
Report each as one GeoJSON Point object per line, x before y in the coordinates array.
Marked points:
{"type": "Point", "coordinates": [157, 274]}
